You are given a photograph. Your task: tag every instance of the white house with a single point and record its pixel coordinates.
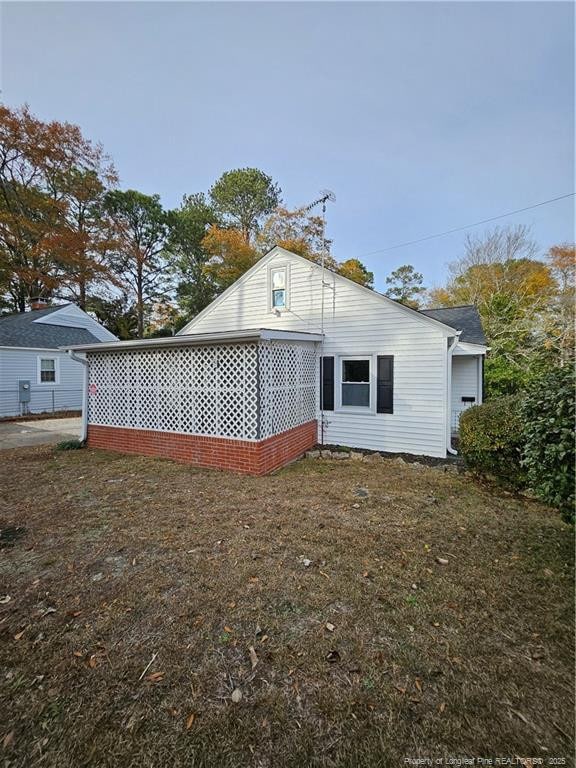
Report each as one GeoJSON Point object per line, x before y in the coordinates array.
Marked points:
{"type": "Point", "coordinates": [286, 357]}
{"type": "Point", "coordinates": [36, 376]}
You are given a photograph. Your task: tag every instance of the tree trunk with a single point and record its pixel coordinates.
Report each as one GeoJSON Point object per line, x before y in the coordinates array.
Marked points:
{"type": "Point", "coordinates": [82, 293]}
{"type": "Point", "coordinates": [139, 302]}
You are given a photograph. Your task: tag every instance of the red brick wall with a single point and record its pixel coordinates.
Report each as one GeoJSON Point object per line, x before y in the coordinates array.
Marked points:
{"type": "Point", "coordinates": [252, 458]}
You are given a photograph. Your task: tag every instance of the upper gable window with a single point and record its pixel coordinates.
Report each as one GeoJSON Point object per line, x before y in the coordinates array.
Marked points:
{"type": "Point", "coordinates": [278, 288]}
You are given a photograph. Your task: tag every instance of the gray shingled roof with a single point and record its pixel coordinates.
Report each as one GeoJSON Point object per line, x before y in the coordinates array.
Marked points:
{"type": "Point", "coordinates": [465, 319]}
{"type": "Point", "coordinates": [21, 331]}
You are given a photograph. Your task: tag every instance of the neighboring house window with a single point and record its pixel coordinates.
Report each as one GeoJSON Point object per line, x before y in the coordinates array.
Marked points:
{"type": "Point", "coordinates": [279, 288]}
{"type": "Point", "coordinates": [356, 382]}
{"type": "Point", "coordinates": [47, 370]}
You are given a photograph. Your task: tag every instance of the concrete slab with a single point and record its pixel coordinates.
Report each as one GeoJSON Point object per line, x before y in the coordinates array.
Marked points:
{"type": "Point", "coordinates": [20, 434]}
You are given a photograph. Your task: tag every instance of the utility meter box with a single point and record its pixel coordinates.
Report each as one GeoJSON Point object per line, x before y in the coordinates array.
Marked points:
{"type": "Point", "coordinates": [23, 391]}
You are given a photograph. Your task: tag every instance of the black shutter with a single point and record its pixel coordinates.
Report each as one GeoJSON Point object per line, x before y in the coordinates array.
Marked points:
{"type": "Point", "coordinates": [385, 384]}
{"type": "Point", "coordinates": [327, 384]}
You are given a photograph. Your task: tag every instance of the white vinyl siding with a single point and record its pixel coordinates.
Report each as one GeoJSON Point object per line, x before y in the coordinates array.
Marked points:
{"type": "Point", "coordinates": [23, 365]}
{"type": "Point", "coordinates": [466, 379]}
{"type": "Point", "coordinates": [355, 322]}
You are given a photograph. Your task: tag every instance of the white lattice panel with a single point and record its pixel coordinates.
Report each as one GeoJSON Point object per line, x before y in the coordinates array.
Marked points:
{"type": "Point", "coordinates": [194, 390]}
{"type": "Point", "coordinates": [288, 386]}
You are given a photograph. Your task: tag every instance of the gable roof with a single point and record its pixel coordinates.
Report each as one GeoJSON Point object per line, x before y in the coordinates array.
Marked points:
{"type": "Point", "coordinates": [414, 313]}
{"type": "Point", "coordinates": [465, 318]}
{"type": "Point", "coordinates": [22, 330]}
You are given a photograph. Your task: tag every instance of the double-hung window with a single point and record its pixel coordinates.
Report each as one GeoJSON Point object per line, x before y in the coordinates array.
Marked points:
{"type": "Point", "coordinates": [355, 382]}
{"type": "Point", "coordinates": [47, 370]}
{"type": "Point", "coordinates": [278, 288]}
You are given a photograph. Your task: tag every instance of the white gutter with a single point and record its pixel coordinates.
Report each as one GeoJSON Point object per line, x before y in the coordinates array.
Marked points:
{"type": "Point", "coordinates": [84, 362]}
{"type": "Point", "coordinates": [451, 349]}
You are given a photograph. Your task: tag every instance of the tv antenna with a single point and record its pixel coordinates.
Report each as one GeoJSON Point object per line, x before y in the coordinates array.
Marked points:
{"type": "Point", "coordinates": [325, 197]}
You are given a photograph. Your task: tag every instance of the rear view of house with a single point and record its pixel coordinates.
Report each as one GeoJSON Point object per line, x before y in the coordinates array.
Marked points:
{"type": "Point", "coordinates": [288, 356]}
{"type": "Point", "coordinates": [36, 375]}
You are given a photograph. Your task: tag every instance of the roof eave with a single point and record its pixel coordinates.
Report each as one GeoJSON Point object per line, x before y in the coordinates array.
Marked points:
{"type": "Point", "coordinates": [200, 339]}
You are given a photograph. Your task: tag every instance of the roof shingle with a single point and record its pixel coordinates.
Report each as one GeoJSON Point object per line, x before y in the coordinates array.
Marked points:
{"type": "Point", "coordinates": [465, 319]}
{"type": "Point", "coordinates": [20, 330]}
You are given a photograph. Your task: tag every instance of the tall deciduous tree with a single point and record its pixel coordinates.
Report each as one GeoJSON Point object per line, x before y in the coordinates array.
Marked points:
{"type": "Point", "coordinates": [88, 235]}
{"type": "Point", "coordinates": [561, 319]}
{"type": "Point", "coordinates": [38, 164]}
{"type": "Point", "coordinates": [512, 290]}
{"type": "Point", "coordinates": [230, 256]}
{"type": "Point", "coordinates": [354, 270]}
{"type": "Point", "coordinates": [298, 232]}
{"type": "Point", "coordinates": [141, 229]}
{"type": "Point", "coordinates": [405, 286]}
{"type": "Point", "coordinates": [243, 197]}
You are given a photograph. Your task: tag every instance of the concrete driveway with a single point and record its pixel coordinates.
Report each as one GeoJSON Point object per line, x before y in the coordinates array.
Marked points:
{"type": "Point", "coordinates": [20, 434]}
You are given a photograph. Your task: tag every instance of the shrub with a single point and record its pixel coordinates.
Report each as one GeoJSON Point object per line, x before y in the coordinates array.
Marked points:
{"type": "Point", "coordinates": [548, 414]}
{"type": "Point", "coordinates": [69, 445]}
{"type": "Point", "coordinates": [491, 439]}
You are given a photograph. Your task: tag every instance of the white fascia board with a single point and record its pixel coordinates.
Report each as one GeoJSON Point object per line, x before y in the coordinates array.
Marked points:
{"type": "Point", "coordinates": [32, 349]}
{"type": "Point", "coordinates": [413, 313]}
{"type": "Point", "coordinates": [218, 337]}
{"type": "Point", "coordinates": [466, 348]}
{"type": "Point", "coordinates": [269, 334]}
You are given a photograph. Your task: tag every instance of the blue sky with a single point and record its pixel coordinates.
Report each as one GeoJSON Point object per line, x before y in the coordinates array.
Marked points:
{"type": "Point", "coordinates": [419, 116]}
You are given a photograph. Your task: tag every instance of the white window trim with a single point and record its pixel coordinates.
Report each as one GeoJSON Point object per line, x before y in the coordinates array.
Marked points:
{"type": "Point", "coordinates": [56, 370]}
{"type": "Point", "coordinates": [279, 268]}
{"type": "Point", "coordinates": [358, 409]}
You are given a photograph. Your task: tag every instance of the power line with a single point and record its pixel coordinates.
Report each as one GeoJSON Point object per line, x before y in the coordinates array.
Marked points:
{"type": "Point", "coordinates": [467, 226]}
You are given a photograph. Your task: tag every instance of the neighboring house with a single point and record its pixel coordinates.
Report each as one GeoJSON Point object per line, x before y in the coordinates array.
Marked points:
{"type": "Point", "coordinates": [284, 358]}
{"type": "Point", "coordinates": [36, 375]}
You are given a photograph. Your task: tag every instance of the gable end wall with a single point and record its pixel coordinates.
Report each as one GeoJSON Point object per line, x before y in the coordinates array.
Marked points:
{"type": "Point", "coordinates": [355, 323]}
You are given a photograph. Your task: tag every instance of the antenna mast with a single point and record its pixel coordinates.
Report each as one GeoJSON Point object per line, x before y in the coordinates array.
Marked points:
{"type": "Point", "coordinates": [325, 196]}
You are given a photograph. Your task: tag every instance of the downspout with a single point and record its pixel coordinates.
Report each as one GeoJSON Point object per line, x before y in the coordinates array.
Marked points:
{"type": "Point", "coordinates": [84, 394]}
{"type": "Point", "coordinates": [449, 396]}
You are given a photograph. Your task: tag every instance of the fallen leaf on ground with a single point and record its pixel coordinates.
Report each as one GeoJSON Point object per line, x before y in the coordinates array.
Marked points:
{"type": "Point", "coordinates": [5, 599]}
{"type": "Point", "coordinates": [253, 657]}
{"type": "Point", "coordinates": [190, 720]}
{"type": "Point", "coordinates": [330, 627]}
{"type": "Point", "coordinates": [8, 740]}
{"type": "Point", "coordinates": [442, 561]}
{"type": "Point", "coordinates": [333, 657]}
{"type": "Point", "coordinates": [155, 677]}
{"type": "Point", "coordinates": [236, 695]}
{"type": "Point", "coordinates": [19, 635]}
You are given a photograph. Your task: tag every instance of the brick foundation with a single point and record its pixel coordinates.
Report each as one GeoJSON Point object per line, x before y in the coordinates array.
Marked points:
{"type": "Point", "coordinates": [251, 458]}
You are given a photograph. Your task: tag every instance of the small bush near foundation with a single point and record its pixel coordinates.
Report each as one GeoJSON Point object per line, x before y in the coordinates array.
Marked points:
{"type": "Point", "coordinates": [491, 439]}
{"type": "Point", "coordinates": [548, 413]}
{"type": "Point", "coordinates": [69, 445]}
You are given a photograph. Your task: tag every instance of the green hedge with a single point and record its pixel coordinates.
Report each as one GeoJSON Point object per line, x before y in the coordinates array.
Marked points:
{"type": "Point", "coordinates": [548, 414]}
{"type": "Point", "coordinates": [527, 440]}
{"type": "Point", "coordinates": [491, 439]}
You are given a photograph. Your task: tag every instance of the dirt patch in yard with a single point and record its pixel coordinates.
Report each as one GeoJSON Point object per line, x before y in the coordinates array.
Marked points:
{"type": "Point", "coordinates": [160, 615]}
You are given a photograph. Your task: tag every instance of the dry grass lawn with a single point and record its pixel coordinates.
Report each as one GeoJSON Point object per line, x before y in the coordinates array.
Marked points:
{"type": "Point", "coordinates": [371, 653]}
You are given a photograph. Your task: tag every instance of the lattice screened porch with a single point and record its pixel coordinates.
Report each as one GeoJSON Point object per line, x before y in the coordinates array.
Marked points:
{"type": "Point", "coordinates": [219, 404]}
